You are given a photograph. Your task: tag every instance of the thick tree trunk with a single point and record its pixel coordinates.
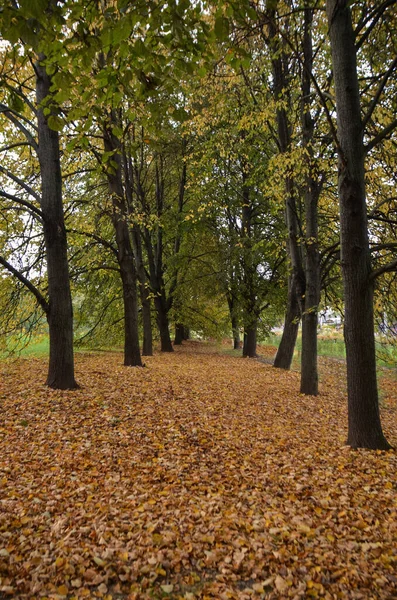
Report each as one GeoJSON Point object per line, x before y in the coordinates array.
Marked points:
{"type": "Point", "coordinates": [249, 348]}
{"type": "Point", "coordinates": [286, 348]}
{"type": "Point", "coordinates": [60, 315]}
{"type": "Point", "coordinates": [125, 257]}
{"type": "Point", "coordinates": [179, 334]}
{"type": "Point", "coordinates": [364, 421]}
{"type": "Point", "coordinates": [309, 371]}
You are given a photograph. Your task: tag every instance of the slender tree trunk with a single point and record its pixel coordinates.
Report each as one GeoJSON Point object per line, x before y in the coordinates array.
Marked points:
{"type": "Point", "coordinates": [132, 355]}
{"type": "Point", "coordinates": [136, 242]}
{"type": "Point", "coordinates": [60, 315]}
{"type": "Point", "coordinates": [363, 408]}
{"type": "Point", "coordinates": [231, 301]}
{"type": "Point", "coordinates": [250, 294]}
{"type": "Point", "coordinates": [125, 257]}
{"type": "Point", "coordinates": [286, 348]}
{"type": "Point", "coordinates": [147, 349]}
{"type": "Point", "coordinates": [309, 371]}
{"type": "Point", "coordinates": [186, 333]}
{"type": "Point", "coordinates": [236, 333]}
{"type": "Point", "coordinates": [296, 282]}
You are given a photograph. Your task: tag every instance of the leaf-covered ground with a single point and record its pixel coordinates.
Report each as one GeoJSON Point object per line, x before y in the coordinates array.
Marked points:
{"type": "Point", "coordinates": [201, 476]}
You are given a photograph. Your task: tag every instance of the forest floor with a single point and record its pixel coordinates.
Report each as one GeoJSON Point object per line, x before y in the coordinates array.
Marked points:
{"type": "Point", "coordinates": [200, 476]}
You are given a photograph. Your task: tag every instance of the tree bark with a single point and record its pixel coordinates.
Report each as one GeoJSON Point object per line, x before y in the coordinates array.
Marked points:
{"type": "Point", "coordinates": [286, 348]}
{"type": "Point", "coordinates": [364, 426]}
{"type": "Point", "coordinates": [147, 347]}
{"type": "Point", "coordinates": [296, 280]}
{"type": "Point", "coordinates": [236, 333]}
{"type": "Point", "coordinates": [125, 257]}
{"type": "Point", "coordinates": [163, 324]}
{"type": "Point", "coordinates": [179, 334]}
{"type": "Point", "coordinates": [309, 371]}
{"type": "Point", "coordinates": [60, 314]}
{"type": "Point", "coordinates": [249, 348]}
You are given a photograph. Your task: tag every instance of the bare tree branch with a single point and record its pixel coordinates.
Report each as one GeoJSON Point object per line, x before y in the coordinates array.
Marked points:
{"type": "Point", "coordinates": [37, 294]}
{"type": "Point", "coordinates": [37, 212]}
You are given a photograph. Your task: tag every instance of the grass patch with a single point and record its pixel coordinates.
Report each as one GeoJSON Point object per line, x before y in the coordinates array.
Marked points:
{"type": "Point", "coordinates": [37, 346]}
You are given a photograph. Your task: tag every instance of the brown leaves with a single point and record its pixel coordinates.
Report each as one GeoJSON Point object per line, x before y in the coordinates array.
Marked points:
{"type": "Point", "coordinates": [201, 476]}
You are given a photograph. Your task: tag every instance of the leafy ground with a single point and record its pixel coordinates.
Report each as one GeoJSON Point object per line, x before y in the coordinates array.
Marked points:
{"type": "Point", "coordinates": [200, 476]}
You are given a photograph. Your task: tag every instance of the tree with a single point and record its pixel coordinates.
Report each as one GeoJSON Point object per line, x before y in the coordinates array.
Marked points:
{"type": "Point", "coordinates": [364, 421]}
{"type": "Point", "coordinates": [22, 22]}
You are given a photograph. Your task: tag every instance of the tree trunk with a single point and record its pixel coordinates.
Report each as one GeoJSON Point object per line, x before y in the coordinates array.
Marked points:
{"type": "Point", "coordinates": [249, 349]}
{"type": "Point", "coordinates": [186, 333]}
{"type": "Point", "coordinates": [179, 334]}
{"type": "Point", "coordinates": [163, 325]}
{"type": "Point", "coordinates": [286, 348]}
{"type": "Point", "coordinates": [296, 282]}
{"type": "Point", "coordinates": [125, 257]}
{"type": "Point", "coordinates": [132, 355]}
{"type": "Point", "coordinates": [365, 429]}
{"type": "Point", "coordinates": [147, 349]}
{"type": "Point", "coordinates": [309, 371]}
{"type": "Point", "coordinates": [60, 315]}
{"type": "Point", "coordinates": [236, 333]}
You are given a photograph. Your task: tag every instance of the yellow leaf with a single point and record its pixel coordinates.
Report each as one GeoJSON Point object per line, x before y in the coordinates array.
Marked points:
{"type": "Point", "coordinates": [59, 563]}
{"type": "Point", "coordinates": [62, 590]}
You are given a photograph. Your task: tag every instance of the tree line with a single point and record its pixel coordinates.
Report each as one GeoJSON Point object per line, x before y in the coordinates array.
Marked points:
{"type": "Point", "coordinates": [219, 165]}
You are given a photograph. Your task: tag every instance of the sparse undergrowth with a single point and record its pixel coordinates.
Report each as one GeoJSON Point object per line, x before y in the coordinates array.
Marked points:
{"type": "Point", "coordinates": [200, 476]}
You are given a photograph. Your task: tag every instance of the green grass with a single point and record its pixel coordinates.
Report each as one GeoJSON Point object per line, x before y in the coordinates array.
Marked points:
{"type": "Point", "coordinates": [37, 346]}
{"type": "Point", "coordinates": [331, 345]}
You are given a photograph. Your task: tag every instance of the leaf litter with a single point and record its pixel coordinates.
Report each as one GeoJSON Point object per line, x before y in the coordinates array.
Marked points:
{"type": "Point", "coordinates": [200, 476]}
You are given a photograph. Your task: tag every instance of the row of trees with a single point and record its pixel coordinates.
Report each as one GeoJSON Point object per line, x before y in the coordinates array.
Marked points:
{"type": "Point", "coordinates": [186, 157]}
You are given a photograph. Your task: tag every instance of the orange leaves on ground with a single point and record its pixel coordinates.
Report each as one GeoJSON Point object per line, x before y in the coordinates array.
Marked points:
{"type": "Point", "coordinates": [201, 476]}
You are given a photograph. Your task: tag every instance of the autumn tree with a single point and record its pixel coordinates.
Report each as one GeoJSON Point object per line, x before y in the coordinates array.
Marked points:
{"type": "Point", "coordinates": [26, 23]}
{"type": "Point", "coordinates": [364, 421]}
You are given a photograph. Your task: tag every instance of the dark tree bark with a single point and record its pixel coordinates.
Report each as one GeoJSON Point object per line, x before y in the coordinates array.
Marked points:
{"type": "Point", "coordinates": [60, 314]}
{"type": "Point", "coordinates": [296, 282]}
{"type": "Point", "coordinates": [147, 347]}
{"type": "Point", "coordinates": [309, 371]}
{"type": "Point", "coordinates": [155, 252]}
{"type": "Point", "coordinates": [125, 257]}
{"type": "Point", "coordinates": [286, 348]}
{"type": "Point", "coordinates": [249, 348]}
{"type": "Point", "coordinates": [365, 429]}
{"type": "Point", "coordinates": [179, 334]}
{"type": "Point", "coordinates": [250, 300]}
{"type": "Point", "coordinates": [231, 301]}
{"type": "Point", "coordinates": [136, 240]}
{"type": "Point", "coordinates": [163, 324]}
{"type": "Point", "coordinates": [236, 333]}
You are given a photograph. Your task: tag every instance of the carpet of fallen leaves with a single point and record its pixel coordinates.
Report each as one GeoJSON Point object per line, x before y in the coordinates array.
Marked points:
{"type": "Point", "coordinates": [201, 476]}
